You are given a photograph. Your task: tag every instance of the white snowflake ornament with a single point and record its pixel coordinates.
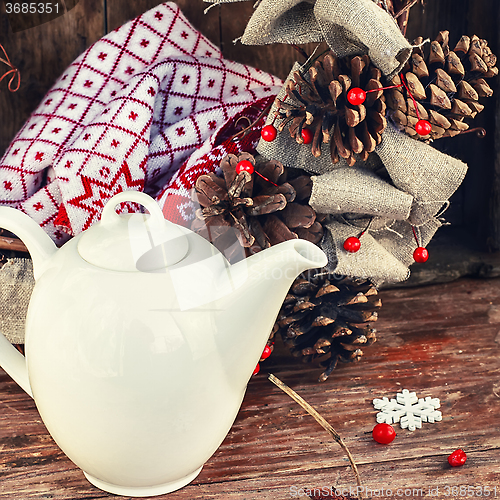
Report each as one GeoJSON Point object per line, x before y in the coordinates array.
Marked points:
{"type": "Point", "coordinates": [408, 410]}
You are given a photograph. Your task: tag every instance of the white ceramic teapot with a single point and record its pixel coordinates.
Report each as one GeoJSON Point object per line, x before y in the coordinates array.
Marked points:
{"type": "Point", "coordinates": [141, 339]}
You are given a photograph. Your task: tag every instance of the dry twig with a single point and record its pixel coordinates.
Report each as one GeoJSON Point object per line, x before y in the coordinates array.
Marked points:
{"type": "Point", "coordinates": [13, 71]}
{"type": "Point", "coordinates": [13, 244]}
{"type": "Point", "coordinates": [321, 421]}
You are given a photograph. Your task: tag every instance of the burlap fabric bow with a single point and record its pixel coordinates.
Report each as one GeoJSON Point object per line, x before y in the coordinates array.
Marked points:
{"type": "Point", "coordinates": [420, 178]}
{"type": "Point", "coordinates": [349, 27]}
{"type": "Point", "coordinates": [420, 182]}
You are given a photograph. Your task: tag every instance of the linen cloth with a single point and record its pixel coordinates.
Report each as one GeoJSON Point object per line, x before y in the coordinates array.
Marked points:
{"type": "Point", "coordinates": [349, 27]}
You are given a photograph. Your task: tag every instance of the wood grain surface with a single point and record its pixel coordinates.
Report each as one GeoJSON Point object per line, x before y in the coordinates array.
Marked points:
{"type": "Point", "coordinates": [441, 341]}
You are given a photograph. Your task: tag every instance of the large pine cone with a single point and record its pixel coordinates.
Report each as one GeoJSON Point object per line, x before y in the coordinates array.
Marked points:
{"type": "Point", "coordinates": [446, 85]}
{"type": "Point", "coordinates": [318, 102]}
{"type": "Point", "coordinates": [323, 317]}
{"type": "Point", "coordinates": [244, 213]}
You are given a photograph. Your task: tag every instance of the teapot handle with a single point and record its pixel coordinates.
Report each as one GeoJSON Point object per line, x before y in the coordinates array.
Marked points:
{"type": "Point", "coordinates": [41, 247]}
{"type": "Point", "coordinates": [14, 364]}
{"type": "Point", "coordinates": [109, 213]}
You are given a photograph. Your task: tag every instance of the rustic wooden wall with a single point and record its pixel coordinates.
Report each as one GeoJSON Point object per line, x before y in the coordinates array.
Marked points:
{"type": "Point", "coordinates": [44, 51]}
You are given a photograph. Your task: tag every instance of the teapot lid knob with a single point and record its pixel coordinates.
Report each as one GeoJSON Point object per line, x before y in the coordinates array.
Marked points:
{"type": "Point", "coordinates": [133, 242]}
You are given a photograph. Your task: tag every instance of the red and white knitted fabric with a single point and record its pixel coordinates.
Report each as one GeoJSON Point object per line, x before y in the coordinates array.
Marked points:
{"type": "Point", "coordinates": [128, 114]}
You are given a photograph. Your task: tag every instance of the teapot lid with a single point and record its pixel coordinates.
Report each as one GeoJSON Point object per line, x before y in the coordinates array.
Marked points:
{"type": "Point", "coordinates": [133, 242]}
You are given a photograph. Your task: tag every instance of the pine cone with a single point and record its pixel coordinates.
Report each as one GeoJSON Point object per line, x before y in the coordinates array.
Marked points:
{"type": "Point", "coordinates": [244, 213]}
{"type": "Point", "coordinates": [326, 112]}
{"type": "Point", "coordinates": [446, 86]}
{"type": "Point", "coordinates": [326, 318]}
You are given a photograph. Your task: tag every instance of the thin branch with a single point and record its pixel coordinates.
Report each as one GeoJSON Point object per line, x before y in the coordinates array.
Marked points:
{"type": "Point", "coordinates": [479, 131]}
{"type": "Point", "coordinates": [13, 244]}
{"type": "Point", "coordinates": [406, 8]}
{"type": "Point", "coordinates": [300, 50]}
{"type": "Point", "coordinates": [264, 112]}
{"type": "Point", "coordinates": [13, 70]}
{"type": "Point", "coordinates": [321, 421]}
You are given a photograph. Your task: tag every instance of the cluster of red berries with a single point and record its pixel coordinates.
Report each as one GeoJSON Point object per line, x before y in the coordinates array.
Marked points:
{"type": "Point", "coordinates": [265, 354]}
{"type": "Point", "coordinates": [385, 434]}
{"type": "Point", "coordinates": [353, 244]}
{"type": "Point", "coordinates": [357, 96]}
{"type": "Point", "coordinates": [269, 133]}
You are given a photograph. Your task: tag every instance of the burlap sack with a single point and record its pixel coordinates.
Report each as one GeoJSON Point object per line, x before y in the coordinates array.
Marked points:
{"type": "Point", "coordinates": [399, 240]}
{"type": "Point", "coordinates": [372, 261]}
{"type": "Point", "coordinates": [358, 191]}
{"type": "Point", "coordinates": [430, 176]}
{"type": "Point", "coordinates": [16, 285]}
{"type": "Point", "coordinates": [385, 254]}
{"type": "Point", "coordinates": [349, 27]}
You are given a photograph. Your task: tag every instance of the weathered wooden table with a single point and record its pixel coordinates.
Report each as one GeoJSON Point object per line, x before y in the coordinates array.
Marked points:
{"type": "Point", "coordinates": [441, 341]}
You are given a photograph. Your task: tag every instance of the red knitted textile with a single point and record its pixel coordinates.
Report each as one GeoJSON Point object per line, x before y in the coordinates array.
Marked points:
{"type": "Point", "coordinates": [141, 109]}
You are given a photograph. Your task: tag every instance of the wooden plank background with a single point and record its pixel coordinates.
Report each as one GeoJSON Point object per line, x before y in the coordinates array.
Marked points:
{"type": "Point", "coordinates": [43, 52]}
{"type": "Point", "coordinates": [441, 341]}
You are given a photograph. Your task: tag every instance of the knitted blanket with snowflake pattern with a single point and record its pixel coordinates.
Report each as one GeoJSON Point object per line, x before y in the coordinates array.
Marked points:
{"type": "Point", "coordinates": [148, 107]}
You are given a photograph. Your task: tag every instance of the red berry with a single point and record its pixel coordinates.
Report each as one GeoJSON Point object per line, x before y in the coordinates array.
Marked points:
{"type": "Point", "coordinates": [420, 255]}
{"type": "Point", "coordinates": [352, 244]}
{"type": "Point", "coordinates": [356, 96]}
{"type": "Point", "coordinates": [245, 165]}
{"type": "Point", "coordinates": [384, 433]}
{"type": "Point", "coordinates": [457, 458]}
{"type": "Point", "coordinates": [423, 127]}
{"type": "Point", "coordinates": [256, 370]}
{"type": "Point", "coordinates": [307, 135]}
{"type": "Point", "coordinates": [266, 352]}
{"type": "Point", "coordinates": [269, 133]}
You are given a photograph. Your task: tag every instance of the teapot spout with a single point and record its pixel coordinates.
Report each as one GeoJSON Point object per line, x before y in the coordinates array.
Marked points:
{"type": "Point", "coordinates": [275, 268]}
{"type": "Point", "coordinates": [264, 279]}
